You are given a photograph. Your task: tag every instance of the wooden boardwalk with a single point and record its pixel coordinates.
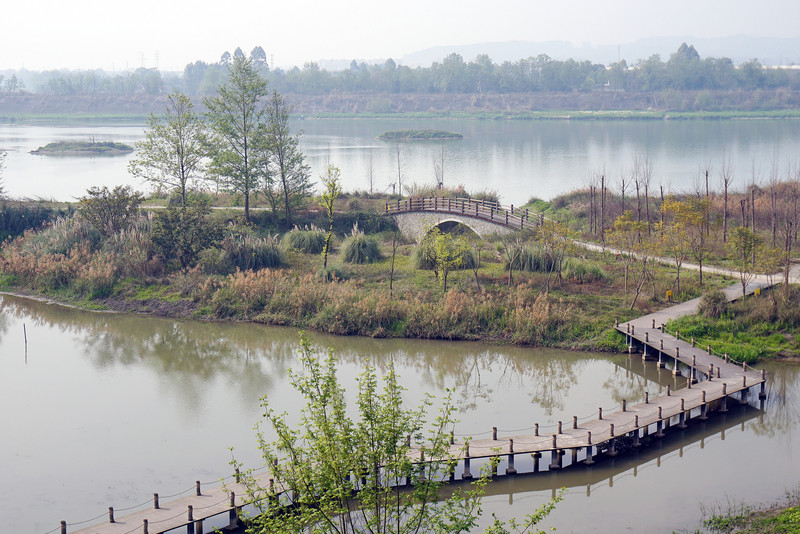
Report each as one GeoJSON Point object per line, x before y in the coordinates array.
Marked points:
{"type": "Point", "coordinates": [710, 381]}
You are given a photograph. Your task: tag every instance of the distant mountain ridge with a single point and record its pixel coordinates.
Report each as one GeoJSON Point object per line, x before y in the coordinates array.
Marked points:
{"type": "Point", "coordinates": [740, 48]}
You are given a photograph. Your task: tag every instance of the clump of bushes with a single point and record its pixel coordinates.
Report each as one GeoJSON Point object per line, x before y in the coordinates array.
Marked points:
{"type": "Point", "coordinates": [359, 248]}
{"type": "Point", "coordinates": [713, 304]}
{"type": "Point", "coordinates": [247, 252]}
{"type": "Point", "coordinates": [582, 271]}
{"type": "Point", "coordinates": [533, 260]}
{"type": "Point", "coordinates": [424, 257]}
{"type": "Point", "coordinates": [310, 239]}
{"type": "Point", "coordinates": [333, 273]}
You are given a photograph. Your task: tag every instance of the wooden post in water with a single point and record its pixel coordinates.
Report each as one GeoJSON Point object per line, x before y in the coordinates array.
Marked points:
{"type": "Point", "coordinates": [703, 407]}
{"type": "Point", "coordinates": [677, 370]}
{"type": "Point", "coordinates": [724, 401]}
{"type": "Point", "coordinates": [659, 425]}
{"type": "Point", "coordinates": [636, 442]}
{"type": "Point", "coordinates": [682, 416]}
{"type": "Point", "coordinates": [233, 517]}
{"type": "Point", "coordinates": [743, 400]}
{"type": "Point", "coordinates": [466, 475]}
{"type": "Point", "coordinates": [510, 470]}
{"type": "Point", "coordinates": [555, 458]}
{"type": "Point", "coordinates": [588, 460]}
{"type": "Point", "coordinates": [536, 456]}
{"type": "Point", "coordinates": [763, 394]}
{"type": "Point", "coordinates": [110, 514]}
{"type": "Point", "coordinates": [190, 518]}
{"type": "Point", "coordinates": [612, 444]}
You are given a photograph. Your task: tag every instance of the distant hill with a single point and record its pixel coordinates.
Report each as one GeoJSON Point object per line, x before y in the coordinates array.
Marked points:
{"type": "Point", "coordinates": [740, 48]}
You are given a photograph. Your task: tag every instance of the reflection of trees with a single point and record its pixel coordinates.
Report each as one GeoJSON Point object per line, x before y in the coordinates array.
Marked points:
{"type": "Point", "coordinates": [250, 357]}
{"type": "Point", "coordinates": [632, 378]}
{"type": "Point", "coordinates": [782, 406]}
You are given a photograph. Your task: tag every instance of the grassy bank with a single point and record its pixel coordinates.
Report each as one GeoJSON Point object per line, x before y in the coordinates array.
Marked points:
{"type": "Point", "coordinates": [527, 288]}
{"type": "Point", "coordinates": [750, 329]}
{"type": "Point", "coordinates": [778, 518]}
{"type": "Point", "coordinates": [70, 262]}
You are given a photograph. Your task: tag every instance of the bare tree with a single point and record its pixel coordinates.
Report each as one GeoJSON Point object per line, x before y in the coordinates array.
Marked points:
{"type": "Point", "coordinates": [623, 188]}
{"type": "Point", "coordinates": [726, 175]}
{"type": "Point", "coordinates": [647, 179]}
{"type": "Point", "coordinates": [371, 172]}
{"type": "Point", "coordinates": [705, 170]}
{"type": "Point", "coordinates": [602, 206]}
{"type": "Point", "coordinates": [636, 176]}
{"type": "Point", "coordinates": [438, 167]}
{"type": "Point", "coordinates": [398, 149]}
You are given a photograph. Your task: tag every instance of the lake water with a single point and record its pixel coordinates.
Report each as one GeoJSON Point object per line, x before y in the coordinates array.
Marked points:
{"type": "Point", "coordinates": [103, 409]}
{"type": "Point", "coordinates": [518, 159]}
{"type": "Point", "coordinates": [106, 409]}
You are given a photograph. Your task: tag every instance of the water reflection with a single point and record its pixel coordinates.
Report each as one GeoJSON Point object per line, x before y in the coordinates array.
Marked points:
{"type": "Point", "coordinates": [146, 404]}
{"type": "Point", "coordinates": [190, 352]}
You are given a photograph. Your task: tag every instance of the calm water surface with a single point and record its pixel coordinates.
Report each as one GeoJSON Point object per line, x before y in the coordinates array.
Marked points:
{"type": "Point", "coordinates": [106, 409]}
{"type": "Point", "coordinates": [518, 159]}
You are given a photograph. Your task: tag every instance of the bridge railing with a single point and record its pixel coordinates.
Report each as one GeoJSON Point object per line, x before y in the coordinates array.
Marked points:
{"type": "Point", "coordinates": [508, 216]}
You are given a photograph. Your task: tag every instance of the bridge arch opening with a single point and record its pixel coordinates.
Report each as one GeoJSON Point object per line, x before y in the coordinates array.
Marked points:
{"type": "Point", "coordinates": [457, 228]}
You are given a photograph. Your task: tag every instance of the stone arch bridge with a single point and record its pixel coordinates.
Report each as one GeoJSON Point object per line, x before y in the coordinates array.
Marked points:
{"type": "Point", "coordinates": [416, 216]}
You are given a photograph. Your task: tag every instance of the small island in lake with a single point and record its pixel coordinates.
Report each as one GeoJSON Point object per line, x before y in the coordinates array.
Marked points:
{"type": "Point", "coordinates": [83, 148]}
{"type": "Point", "coordinates": [414, 135]}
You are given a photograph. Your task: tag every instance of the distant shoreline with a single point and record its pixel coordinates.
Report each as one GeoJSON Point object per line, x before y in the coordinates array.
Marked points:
{"type": "Point", "coordinates": [561, 115]}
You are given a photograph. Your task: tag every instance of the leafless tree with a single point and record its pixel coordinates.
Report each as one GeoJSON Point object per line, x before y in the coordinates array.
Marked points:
{"type": "Point", "coordinates": [438, 167]}
{"type": "Point", "coordinates": [647, 179]}
{"type": "Point", "coordinates": [398, 149]}
{"type": "Point", "coordinates": [371, 172]}
{"type": "Point", "coordinates": [726, 176]}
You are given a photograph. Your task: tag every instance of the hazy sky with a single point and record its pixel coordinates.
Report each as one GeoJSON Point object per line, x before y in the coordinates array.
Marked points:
{"type": "Point", "coordinates": [46, 34]}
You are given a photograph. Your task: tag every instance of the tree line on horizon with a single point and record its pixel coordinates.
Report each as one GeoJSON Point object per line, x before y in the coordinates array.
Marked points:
{"type": "Point", "coordinates": [685, 70]}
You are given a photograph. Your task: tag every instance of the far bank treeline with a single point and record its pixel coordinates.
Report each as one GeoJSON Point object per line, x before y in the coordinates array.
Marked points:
{"type": "Point", "coordinates": [683, 71]}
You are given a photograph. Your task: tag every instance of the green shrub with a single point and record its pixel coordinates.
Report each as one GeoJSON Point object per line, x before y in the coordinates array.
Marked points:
{"type": "Point", "coordinates": [333, 273]}
{"type": "Point", "coordinates": [424, 257]}
{"type": "Point", "coordinates": [62, 236]}
{"type": "Point", "coordinates": [310, 240]}
{"type": "Point", "coordinates": [582, 271]}
{"type": "Point", "coordinates": [247, 252]}
{"type": "Point", "coordinates": [713, 304]}
{"type": "Point", "coordinates": [487, 195]}
{"type": "Point", "coordinates": [16, 217]}
{"type": "Point", "coordinates": [533, 260]}
{"type": "Point", "coordinates": [359, 248]}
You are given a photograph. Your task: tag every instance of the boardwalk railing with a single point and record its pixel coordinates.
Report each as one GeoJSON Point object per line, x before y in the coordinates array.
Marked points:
{"type": "Point", "coordinates": [507, 216]}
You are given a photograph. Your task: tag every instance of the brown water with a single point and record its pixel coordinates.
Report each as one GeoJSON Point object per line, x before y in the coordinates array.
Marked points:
{"type": "Point", "coordinates": [106, 409]}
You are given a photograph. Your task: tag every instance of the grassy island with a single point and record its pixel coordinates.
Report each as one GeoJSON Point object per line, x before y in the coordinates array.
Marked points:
{"type": "Point", "coordinates": [83, 148]}
{"type": "Point", "coordinates": [418, 135]}
{"type": "Point", "coordinates": [529, 288]}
